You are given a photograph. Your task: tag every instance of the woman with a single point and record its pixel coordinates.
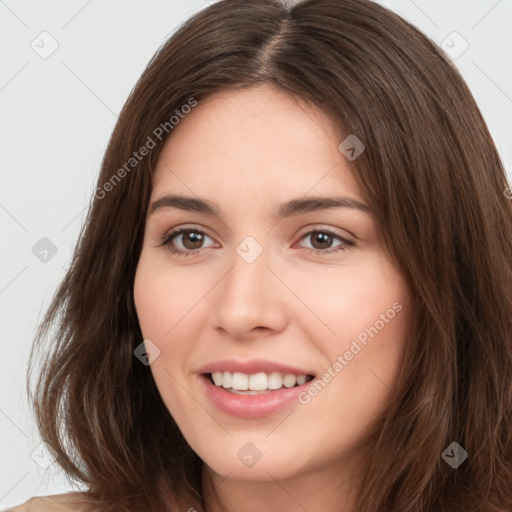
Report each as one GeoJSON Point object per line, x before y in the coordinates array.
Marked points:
{"type": "Point", "coordinates": [294, 287]}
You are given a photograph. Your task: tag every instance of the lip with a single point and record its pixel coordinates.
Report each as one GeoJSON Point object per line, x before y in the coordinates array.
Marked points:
{"type": "Point", "coordinates": [252, 366]}
{"type": "Point", "coordinates": [252, 406]}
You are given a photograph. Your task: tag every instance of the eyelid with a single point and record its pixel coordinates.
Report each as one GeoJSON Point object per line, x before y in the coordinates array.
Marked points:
{"type": "Point", "coordinates": [328, 229]}
{"type": "Point", "coordinates": [165, 240]}
{"type": "Point", "coordinates": [186, 227]}
{"type": "Point", "coordinates": [179, 230]}
{"type": "Point", "coordinates": [303, 231]}
{"type": "Point", "coordinates": [346, 242]}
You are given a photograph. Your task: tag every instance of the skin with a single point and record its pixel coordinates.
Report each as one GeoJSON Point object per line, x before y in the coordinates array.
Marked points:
{"type": "Point", "coordinates": [247, 151]}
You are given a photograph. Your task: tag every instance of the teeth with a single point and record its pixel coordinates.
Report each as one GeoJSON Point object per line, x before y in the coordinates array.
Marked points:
{"type": "Point", "coordinates": [257, 382]}
{"type": "Point", "coordinates": [261, 381]}
{"type": "Point", "coordinates": [301, 379]}
{"type": "Point", "coordinates": [275, 381]}
{"type": "Point", "coordinates": [239, 381]}
{"type": "Point", "coordinates": [225, 379]}
{"type": "Point", "coordinates": [218, 378]}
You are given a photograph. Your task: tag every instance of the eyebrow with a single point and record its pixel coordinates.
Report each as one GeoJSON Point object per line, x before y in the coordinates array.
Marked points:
{"type": "Point", "coordinates": [287, 209]}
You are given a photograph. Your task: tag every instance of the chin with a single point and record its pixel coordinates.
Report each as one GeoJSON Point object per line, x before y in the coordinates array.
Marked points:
{"type": "Point", "coordinates": [258, 461]}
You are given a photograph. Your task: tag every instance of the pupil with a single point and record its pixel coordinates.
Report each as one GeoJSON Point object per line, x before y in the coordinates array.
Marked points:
{"type": "Point", "coordinates": [323, 238]}
{"type": "Point", "coordinates": [194, 238]}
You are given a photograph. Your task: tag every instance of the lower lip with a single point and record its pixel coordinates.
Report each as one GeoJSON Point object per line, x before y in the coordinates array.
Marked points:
{"type": "Point", "coordinates": [252, 406]}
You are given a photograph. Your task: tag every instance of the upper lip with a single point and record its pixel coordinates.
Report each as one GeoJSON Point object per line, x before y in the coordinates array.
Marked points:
{"type": "Point", "coordinates": [252, 366]}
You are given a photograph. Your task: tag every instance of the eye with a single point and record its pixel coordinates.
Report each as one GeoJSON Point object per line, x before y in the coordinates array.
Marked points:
{"type": "Point", "coordinates": [322, 241]}
{"type": "Point", "coordinates": [191, 241]}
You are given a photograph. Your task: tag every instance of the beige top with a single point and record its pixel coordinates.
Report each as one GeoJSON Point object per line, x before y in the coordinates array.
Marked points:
{"type": "Point", "coordinates": [71, 502]}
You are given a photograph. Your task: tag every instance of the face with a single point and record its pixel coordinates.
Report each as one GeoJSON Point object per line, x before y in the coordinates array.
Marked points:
{"type": "Point", "coordinates": [256, 294]}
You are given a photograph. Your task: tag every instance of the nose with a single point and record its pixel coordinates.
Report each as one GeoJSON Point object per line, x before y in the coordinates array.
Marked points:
{"type": "Point", "coordinates": [250, 300]}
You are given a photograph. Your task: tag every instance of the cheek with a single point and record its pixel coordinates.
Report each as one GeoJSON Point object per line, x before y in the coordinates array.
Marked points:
{"type": "Point", "coordinates": [159, 303]}
{"type": "Point", "coordinates": [169, 308]}
{"type": "Point", "coordinates": [348, 299]}
{"type": "Point", "coordinates": [367, 311]}
{"type": "Point", "coordinates": [156, 300]}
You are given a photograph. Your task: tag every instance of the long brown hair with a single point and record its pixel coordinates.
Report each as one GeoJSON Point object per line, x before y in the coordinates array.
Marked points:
{"type": "Point", "coordinates": [433, 176]}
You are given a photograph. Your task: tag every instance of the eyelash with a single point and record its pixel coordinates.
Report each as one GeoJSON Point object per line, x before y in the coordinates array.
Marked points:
{"type": "Point", "coordinates": [166, 241]}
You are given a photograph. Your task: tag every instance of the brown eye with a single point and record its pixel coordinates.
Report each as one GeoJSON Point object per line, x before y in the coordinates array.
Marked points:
{"type": "Point", "coordinates": [192, 239]}
{"type": "Point", "coordinates": [185, 241]}
{"type": "Point", "coordinates": [322, 240]}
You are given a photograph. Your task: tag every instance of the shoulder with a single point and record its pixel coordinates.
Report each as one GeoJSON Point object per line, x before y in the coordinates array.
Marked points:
{"type": "Point", "coordinates": [71, 502]}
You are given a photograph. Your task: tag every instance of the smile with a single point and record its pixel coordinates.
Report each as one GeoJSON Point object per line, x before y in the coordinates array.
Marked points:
{"type": "Point", "coordinates": [257, 383]}
{"type": "Point", "coordinates": [251, 403]}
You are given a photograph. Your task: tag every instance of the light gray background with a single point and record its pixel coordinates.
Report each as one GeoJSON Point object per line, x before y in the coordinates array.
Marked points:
{"type": "Point", "coordinates": [57, 114]}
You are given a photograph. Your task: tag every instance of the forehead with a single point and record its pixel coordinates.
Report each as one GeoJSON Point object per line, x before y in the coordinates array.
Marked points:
{"type": "Point", "coordinates": [254, 142]}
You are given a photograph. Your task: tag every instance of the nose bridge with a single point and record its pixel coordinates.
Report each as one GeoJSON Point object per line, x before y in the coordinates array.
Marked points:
{"type": "Point", "coordinates": [248, 297]}
{"type": "Point", "coordinates": [249, 272]}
